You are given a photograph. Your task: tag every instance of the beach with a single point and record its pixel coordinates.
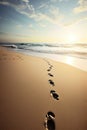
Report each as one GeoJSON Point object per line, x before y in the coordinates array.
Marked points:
{"type": "Point", "coordinates": [25, 93]}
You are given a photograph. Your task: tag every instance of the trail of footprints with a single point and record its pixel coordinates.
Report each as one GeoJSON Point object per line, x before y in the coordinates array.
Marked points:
{"type": "Point", "coordinates": [10, 57]}
{"type": "Point", "coordinates": [51, 82]}
{"type": "Point", "coordinates": [49, 122]}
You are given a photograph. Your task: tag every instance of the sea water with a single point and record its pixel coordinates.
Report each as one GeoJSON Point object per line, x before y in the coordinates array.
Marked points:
{"type": "Point", "coordinates": [72, 54]}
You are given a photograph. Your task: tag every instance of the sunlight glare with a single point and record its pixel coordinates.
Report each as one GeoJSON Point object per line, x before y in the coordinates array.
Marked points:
{"type": "Point", "coordinates": [72, 38]}
{"type": "Point", "coordinates": [69, 60]}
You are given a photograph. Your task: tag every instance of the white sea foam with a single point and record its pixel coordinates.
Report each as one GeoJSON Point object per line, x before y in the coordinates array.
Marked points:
{"type": "Point", "coordinates": [73, 61]}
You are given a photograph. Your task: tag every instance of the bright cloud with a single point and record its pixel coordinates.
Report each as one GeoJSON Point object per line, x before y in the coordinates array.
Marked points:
{"type": "Point", "coordinates": [52, 15]}
{"type": "Point", "coordinates": [82, 6]}
{"type": "Point", "coordinates": [25, 1]}
{"type": "Point", "coordinates": [24, 7]}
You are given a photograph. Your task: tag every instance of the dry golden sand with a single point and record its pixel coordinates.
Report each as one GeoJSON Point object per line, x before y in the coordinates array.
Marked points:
{"type": "Point", "coordinates": [25, 93]}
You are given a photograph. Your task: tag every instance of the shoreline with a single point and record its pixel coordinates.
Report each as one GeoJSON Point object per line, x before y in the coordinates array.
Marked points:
{"type": "Point", "coordinates": [68, 60]}
{"type": "Point", "coordinates": [25, 93]}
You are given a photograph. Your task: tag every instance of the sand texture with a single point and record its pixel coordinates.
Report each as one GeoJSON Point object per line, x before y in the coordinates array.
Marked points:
{"type": "Point", "coordinates": [26, 83]}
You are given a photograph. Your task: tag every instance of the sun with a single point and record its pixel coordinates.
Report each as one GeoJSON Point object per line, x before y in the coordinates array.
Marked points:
{"type": "Point", "coordinates": [72, 38]}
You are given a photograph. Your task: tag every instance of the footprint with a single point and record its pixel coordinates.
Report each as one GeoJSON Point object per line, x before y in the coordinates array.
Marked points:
{"type": "Point", "coordinates": [49, 122]}
{"type": "Point", "coordinates": [51, 66]}
{"type": "Point", "coordinates": [50, 113]}
{"type": "Point", "coordinates": [50, 74]}
{"type": "Point", "coordinates": [48, 69]}
{"type": "Point", "coordinates": [51, 82]}
{"type": "Point", "coordinates": [54, 94]}
{"type": "Point", "coordinates": [51, 91]}
{"type": "Point", "coordinates": [19, 57]}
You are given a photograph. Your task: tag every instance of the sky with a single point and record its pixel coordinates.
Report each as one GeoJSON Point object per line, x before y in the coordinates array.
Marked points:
{"type": "Point", "coordinates": [50, 21]}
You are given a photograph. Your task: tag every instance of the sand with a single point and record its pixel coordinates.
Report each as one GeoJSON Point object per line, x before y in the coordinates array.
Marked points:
{"type": "Point", "coordinates": [25, 93]}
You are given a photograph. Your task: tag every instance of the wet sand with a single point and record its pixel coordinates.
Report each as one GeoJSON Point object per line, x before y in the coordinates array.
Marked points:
{"type": "Point", "coordinates": [26, 83]}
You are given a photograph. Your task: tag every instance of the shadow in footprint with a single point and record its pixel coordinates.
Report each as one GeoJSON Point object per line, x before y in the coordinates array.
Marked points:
{"type": "Point", "coordinates": [48, 69]}
{"type": "Point", "coordinates": [49, 122]}
{"type": "Point", "coordinates": [50, 113]}
{"type": "Point", "coordinates": [54, 94]}
{"type": "Point", "coordinates": [51, 91]}
{"type": "Point", "coordinates": [50, 74]}
{"type": "Point", "coordinates": [51, 82]}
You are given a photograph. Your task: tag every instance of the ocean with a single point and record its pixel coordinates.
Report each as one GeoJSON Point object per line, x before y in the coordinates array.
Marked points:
{"type": "Point", "coordinates": [72, 54]}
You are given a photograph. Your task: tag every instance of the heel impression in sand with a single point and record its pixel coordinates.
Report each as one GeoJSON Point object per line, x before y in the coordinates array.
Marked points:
{"type": "Point", "coordinates": [49, 122]}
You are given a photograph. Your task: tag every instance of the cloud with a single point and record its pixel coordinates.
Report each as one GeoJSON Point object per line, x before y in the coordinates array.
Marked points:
{"type": "Point", "coordinates": [21, 35]}
{"type": "Point", "coordinates": [30, 25]}
{"type": "Point", "coordinates": [19, 26]}
{"type": "Point", "coordinates": [24, 7]}
{"type": "Point", "coordinates": [52, 13]}
{"type": "Point", "coordinates": [25, 1]}
{"type": "Point", "coordinates": [3, 33]}
{"type": "Point", "coordinates": [45, 17]}
{"type": "Point", "coordinates": [82, 6]}
{"type": "Point", "coordinates": [4, 3]}
{"type": "Point", "coordinates": [21, 6]}
{"type": "Point", "coordinates": [64, 0]}
{"type": "Point", "coordinates": [13, 34]}
{"type": "Point", "coordinates": [54, 1]}
{"type": "Point", "coordinates": [76, 21]}
{"type": "Point", "coordinates": [43, 5]}
{"type": "Point", "coordinates": [42, 25]}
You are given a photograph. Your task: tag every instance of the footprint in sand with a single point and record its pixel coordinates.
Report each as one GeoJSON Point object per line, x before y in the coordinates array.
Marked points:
{"type": "Point", "coordinates": [47, 61]}
{"type": "Point", "coordinates": [19, 57]}
{"type": "Point", "coordinates": [49, 122]}
{"type": "Point", "coordinates": [51, 82]}
{"type": "Point", "coordinates": [54, 94]}
{"type": "Point", "coordinates": [48, 69]}
{"type": "Point", "coordinates": [50, 66]}
{"type": "Point", "coordinates": [50, 74]}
